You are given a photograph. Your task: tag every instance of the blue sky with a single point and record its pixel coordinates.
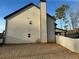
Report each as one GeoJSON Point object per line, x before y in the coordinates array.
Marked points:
{"type": "Point", "coordinates": [9, 6]}
{"type": "Point", "coordinates": [52, 5]}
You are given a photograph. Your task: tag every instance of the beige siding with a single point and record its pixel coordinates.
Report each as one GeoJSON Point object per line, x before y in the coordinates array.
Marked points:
{"type": "Point", "coordinates": [50, 30]}
{"type": "Point", "coordinates": [19, 27]}
{"type": "Point", "coordinates": [43, 22]}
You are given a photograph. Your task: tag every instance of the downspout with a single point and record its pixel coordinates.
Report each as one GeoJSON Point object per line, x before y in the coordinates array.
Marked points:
{"type": "Point", "coordinates": [5, 31]}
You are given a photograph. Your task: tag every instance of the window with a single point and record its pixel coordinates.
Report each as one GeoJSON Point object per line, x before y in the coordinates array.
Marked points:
{"type": "Point", "coordinates": [29, 35]}
{"type": "Point", "coordinates": [30, 22]}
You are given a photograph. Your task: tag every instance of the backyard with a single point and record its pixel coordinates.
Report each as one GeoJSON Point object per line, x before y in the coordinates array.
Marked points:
{"type": "Point", "coordinates": [36, 51]}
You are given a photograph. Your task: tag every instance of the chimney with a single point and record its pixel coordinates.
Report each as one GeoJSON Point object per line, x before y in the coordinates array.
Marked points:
{"type": "Point", "coordinates": [43, 0]}
{"type": "Point", "coordinates": [43, 21]}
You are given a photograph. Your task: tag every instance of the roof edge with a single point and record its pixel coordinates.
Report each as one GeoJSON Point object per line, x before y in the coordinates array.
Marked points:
{"type": "Point", "coordinates": [20, 10]}
{"type": "Point", "coordinates": [51, 16]}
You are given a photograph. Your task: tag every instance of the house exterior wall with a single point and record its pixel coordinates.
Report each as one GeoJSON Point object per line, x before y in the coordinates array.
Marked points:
{"type": "Point", "coordinates": [19, 27]}
{"type": "Point", "coordinates": [43, 22]}
{"type": "Point", "coordinates": [50, 30]}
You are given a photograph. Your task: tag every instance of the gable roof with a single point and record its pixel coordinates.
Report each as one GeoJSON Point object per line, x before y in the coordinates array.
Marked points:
{"type": "Point", "coordinates": [60, 30]}
{"type": "Point", "coordinates": [53, 17]}
{"type": "Point", "coordinates": [31, 4]}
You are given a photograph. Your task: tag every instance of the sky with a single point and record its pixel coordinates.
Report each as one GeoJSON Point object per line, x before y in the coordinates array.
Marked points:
{"type": "Point", "coordinates": [9, 6]}
{"type": "Point", "coordinates": [52, 5]}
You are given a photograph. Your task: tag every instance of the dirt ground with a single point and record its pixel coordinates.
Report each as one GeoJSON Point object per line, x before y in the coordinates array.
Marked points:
{"type": "Point", "coordinates": [36, 51]}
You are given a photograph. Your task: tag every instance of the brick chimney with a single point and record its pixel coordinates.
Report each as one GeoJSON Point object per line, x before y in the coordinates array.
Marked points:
{"type": "Point", "coordinates": [43, 21]}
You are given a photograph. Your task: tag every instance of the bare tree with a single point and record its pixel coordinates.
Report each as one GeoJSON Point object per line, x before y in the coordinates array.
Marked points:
{"type": "Point", "coordinates": [74, 19]}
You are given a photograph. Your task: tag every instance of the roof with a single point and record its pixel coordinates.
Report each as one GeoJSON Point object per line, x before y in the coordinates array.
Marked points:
{"type": "Point", "coordinates": [59, 30]}
{"type": "Point", "coordinates": [31, 4]}
{"type": "Point", "coordinates": [53, 17]}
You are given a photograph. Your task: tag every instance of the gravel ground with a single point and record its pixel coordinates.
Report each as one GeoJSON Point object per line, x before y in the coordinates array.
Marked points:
{"type": "Point", "coordinates": [36, 51]}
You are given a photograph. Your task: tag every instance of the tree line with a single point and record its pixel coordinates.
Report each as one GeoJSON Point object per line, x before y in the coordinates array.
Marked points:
{"type": "Point", "coordinates": [62, 12]}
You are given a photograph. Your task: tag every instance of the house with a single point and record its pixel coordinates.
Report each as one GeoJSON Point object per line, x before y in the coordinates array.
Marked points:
{"type": "Point", "coordinates": [73, 33]}
{"type": "Point", "coordinates": [2, 38]}
{"type": "Point", "coordinates": [51, 28]}
{"type": "Point", "coordinates": [29, 25]}
{"type": "Point", "coordinates": [59, 31]}
{"type": "Point", "coordinates": [0, 35]}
